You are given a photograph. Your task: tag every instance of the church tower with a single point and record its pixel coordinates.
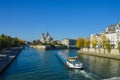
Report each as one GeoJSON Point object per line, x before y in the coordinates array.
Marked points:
{"type": "Point", "coordinates": [49, 39]}
{"type": "Point", "coordinates": [43, 39]}
{"type": "Point", "coordinates": [46, 38]}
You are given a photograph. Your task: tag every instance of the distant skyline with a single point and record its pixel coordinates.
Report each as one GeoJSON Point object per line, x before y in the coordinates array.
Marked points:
{"type": "Point", "coordinates": [27, 19]}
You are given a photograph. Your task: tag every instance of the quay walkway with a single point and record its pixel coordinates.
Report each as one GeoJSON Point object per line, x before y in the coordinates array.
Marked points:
{"type": "Point", "coordinates": [7, 56]}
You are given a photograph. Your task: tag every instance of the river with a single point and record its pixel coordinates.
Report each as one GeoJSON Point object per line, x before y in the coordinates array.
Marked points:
{"type": "Point", "coordinates": [32, 64]}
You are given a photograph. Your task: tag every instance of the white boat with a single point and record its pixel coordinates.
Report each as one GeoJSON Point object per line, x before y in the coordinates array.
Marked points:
{"type": "Point", "coordinates": [71, 62]}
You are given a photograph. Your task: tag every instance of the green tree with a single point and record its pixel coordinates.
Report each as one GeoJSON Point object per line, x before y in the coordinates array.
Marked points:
{"type": "Point", "coordinates": [4, 40]}
{"type": "Point", "coordinates": [7, 41]}
{"type": "Point", "coordinates": [54, 43]}
{"type": "Point", "coordinates": [80, 42]}
{"type": "Point", "coordinates": [34, 42]}
{"type": "Point", "coordinates": [21, 42]}
{"type": "Point", "coordinates": [1, 44]}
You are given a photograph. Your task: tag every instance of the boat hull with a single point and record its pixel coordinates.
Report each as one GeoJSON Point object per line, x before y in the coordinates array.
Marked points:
{"type": "Point", "coordinates": [68, 64]}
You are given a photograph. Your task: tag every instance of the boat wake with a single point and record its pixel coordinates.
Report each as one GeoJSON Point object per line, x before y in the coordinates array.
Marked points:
{"type": "Point", "coordinates": [75, 71]}
{"type": "Point", "coordinates": [87, 75]}
{"type": "Point", "coordinates": [113, 78]}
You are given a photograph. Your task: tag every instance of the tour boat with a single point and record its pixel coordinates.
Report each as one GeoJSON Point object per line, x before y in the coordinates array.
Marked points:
{"type": "Point", "coordinates": [71, 62]}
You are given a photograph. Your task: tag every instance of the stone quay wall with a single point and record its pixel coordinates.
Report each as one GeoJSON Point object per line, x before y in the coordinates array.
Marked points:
{"type": "Point", "coordinates": [40, 47]}
{"type": "Point", "coordinates": [101, 52]}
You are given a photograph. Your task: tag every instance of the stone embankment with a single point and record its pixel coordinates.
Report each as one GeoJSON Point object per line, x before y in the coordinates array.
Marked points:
{"type": "Point", "coordinates": [43, 47]}
{"type": "Point", "coordinates": [7, 56]}
{"type": "Point", "coordinates": [114, 54]}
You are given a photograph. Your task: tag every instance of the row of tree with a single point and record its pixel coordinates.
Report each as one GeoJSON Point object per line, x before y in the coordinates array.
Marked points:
{"type": "Point", "coordinates": [83, 43]}
{"type": "Point", "coordinates": [8, 41]}
{"type": "Point", "coordinates": [95, 43]}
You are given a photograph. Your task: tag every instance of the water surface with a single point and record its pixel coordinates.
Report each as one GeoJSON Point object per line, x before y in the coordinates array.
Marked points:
{"type": "Point", "coordinates": [34, 64]}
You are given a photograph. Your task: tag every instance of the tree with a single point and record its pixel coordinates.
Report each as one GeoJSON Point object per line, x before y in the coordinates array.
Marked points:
{"type": "Point", "coordinates": [103, 41]}
{"type": "Point", "coordinates": [54, 43]}
{"type": "Point", "coordinates": [87, 43]}
{"type": "Point", "coordinates": [119, 47]}
{"type": "Point", "coordinates": [108, 46]}
{"type": "Point", "coordinates": [1, 44]}
{"type": "Point", "coordinates": [80, 42]}
{"type": "Point", "coordinates": [94, 42]}
{"type": "Point", "coordinates": [4, 40]}
{"type": "Point", "coordinates": [7, 41]}
{"type": "Point", "coordinates": [34, 42]}
{"type": "Point", "coordinates": [21, 42]}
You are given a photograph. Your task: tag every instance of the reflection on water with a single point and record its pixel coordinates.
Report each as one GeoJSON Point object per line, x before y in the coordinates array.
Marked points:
{"type": "Point", "coordinates": [34, 64]}
{"type": "Point", "coordinates": [103, 67]}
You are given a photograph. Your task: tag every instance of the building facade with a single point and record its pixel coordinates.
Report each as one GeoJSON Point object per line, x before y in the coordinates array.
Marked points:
{"type": "Point", "coordinates": [46, 38]}
{"type": "Point", "coordinates": [70, 43]}
{"type": "Point", "coordinates": [112, 33]}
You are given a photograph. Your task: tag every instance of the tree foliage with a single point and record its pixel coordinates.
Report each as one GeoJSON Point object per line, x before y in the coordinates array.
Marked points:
{"type": "Point", "coordinates": [87, 43]}
{"type": "Point", "coordinates": [103, 40]}
{"type": "Point", "coordinates": [34, 42]}
{"type": "Point", "coordinates": [7, 41]}
{"type": "Point", "coordinates": [108, 46]}
{"type": "Point", "coordinates": [119, 46]}
{"type": "Point", "coordinates": [80, 42]}
{"type": "Point", "coordinates": [94, 42]}
{"type": "Point", "coordinates": [55, 43]}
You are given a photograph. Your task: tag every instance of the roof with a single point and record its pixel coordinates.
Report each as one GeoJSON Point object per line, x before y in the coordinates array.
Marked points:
{"type": "Point", "coordinates": [111, 28]}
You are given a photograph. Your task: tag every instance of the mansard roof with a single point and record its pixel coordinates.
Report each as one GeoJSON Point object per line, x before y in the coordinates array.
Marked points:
{"type": "Point", "coordinates": [111, 28]}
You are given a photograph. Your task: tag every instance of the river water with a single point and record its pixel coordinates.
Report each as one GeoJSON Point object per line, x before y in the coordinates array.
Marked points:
{"type": "Point", "coordinates": [32, 64]}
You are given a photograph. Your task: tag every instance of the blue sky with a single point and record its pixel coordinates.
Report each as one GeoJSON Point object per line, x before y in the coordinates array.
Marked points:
{"type": "Point", "coordinates": [27, 19]}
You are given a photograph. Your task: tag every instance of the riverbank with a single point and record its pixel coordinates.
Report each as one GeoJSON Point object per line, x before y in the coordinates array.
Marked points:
{"type": "Point", "coordinates": [48, 47]}
{"type": "Point", "coordinates": [7, 56]}
{"type": "Point", "coordinates": [42, 47]}
{"type": "Point", "coordinates": [114, 54]}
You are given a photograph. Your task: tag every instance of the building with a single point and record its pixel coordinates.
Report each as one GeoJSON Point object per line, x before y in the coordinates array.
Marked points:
{"type": "Point", "coordinates": [70, 43]}
{"type": "Point", "coordinates": [112, 33]}
{"type": "Point", "coordinates": [46, 38]}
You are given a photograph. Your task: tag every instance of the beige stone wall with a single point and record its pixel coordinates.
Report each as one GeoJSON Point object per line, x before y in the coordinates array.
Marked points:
{"type": "Point", "coordinates": [39, 46]}
{"type": "Point", "coordinates": [100, 51]}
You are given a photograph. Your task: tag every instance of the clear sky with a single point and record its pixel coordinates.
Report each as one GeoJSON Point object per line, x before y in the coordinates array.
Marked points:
{"type": "Point", "coordinates": [27, 19]}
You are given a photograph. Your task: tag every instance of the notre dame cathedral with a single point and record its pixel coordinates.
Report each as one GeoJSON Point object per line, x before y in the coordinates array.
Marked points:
{"type": "Point", "coordinates": [46, 38]}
